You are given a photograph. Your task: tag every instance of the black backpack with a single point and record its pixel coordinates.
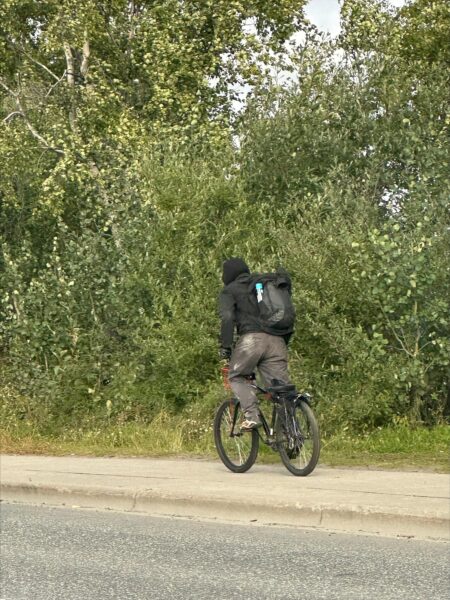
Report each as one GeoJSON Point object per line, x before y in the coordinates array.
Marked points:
{"type": "Point", "coordinates": [276, 310]}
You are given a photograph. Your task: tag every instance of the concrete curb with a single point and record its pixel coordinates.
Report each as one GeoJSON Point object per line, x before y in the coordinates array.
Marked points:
{"type": "Point", "coordinates": [355, 519]}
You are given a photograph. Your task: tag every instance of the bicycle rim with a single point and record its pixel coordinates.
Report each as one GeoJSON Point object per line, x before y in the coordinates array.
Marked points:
{"type": "Point", "coordinates": [237, 450]}
{"type": "Point", "coordinates": [298, 439]}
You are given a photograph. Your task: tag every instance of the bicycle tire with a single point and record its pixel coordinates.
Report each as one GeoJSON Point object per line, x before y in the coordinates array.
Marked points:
{"type": "Point", "coordinates": [237, 450]}
{"type": "Point", "coordinates": [299, 450]}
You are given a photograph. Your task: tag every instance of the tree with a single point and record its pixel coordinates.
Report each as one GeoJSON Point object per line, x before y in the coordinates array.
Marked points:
{"type": "Point", "coordinates": [85, 85]}
{"type": "Point", "coordinates": [349, 168]}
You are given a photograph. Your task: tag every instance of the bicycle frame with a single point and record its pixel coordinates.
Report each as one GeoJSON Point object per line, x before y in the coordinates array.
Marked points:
{"type": "Point", "coordinates": [269, 429]}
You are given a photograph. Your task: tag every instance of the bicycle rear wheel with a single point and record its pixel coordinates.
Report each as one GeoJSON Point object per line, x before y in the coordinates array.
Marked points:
{"type": "Point", "coordinates": [298, 438]}
{"type": "Point", "coordinates": [237, 450]}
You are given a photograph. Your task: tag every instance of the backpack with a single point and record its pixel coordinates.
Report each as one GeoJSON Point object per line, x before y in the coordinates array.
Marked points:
{"type": "Point", "coordinates": [276, 310]}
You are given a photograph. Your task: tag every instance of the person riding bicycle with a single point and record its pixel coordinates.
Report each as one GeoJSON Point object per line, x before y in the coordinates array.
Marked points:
{"type": "Point", "coordinates": [261, 344]}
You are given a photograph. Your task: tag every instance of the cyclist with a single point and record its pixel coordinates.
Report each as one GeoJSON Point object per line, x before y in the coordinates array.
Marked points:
{"type": "Point", "coordinates": [258, 346]}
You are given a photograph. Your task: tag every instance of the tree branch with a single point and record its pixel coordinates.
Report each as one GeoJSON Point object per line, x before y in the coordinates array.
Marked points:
{"type": "Point", "coordinates": [16, 307]}
{"type": "Point", "coordinates": [86, 53]}
{"type": "Point", "coordinates": [71, 81]}
{"type": "Point", "coordinates": [49, 71]}
{"type": "Point", "coordinates": [11, 115]}
{"type": "Point", "coordinates": [7, 89]}
{"type": "Point", "coordinates": [30, 126]}
{"type": "Point", "coordinates": [55, 84]}
{"type": "Point", "coordinates": [397, 337]}
{"type": "Point", "coordinates": [39, 137]}
{"type": "Point", "coordinates": [131, 33]}
{"type": "Point", "coordinates": [70, 64]}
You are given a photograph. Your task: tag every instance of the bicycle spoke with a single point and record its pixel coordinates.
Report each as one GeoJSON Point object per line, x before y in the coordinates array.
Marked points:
{"type": "Point", "coordinates": [240, 454]}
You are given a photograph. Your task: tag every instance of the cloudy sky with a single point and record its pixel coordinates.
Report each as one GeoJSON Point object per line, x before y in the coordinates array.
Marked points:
{"type": "Point", "coordinates": [325, 14]}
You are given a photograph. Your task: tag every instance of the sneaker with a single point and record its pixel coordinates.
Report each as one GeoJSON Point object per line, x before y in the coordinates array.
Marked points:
{"type": "Point", "coordinates": [249, 424]}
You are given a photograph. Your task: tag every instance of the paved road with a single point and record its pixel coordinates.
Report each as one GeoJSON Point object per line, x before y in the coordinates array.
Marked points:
{"type": "Point", "coordinates": [71, 554]}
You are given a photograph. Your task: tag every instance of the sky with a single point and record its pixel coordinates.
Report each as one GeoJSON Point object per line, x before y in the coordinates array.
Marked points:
{"type": "Point", "coordinates": [325, 14]}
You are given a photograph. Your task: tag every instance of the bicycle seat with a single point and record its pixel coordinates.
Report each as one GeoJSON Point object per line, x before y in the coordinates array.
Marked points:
{"type": "Point", "coordinates": [281, 389]}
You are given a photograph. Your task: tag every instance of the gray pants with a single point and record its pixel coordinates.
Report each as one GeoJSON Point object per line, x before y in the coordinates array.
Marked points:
{"type": "Point", "coordinates": [268, 354]}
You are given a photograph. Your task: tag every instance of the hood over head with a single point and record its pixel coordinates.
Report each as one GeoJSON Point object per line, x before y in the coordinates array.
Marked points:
{"type": "Point", "coordinates": [232, 268]}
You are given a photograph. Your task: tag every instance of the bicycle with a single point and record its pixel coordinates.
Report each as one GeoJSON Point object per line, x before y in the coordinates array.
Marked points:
{"type": "Point", "coordinates": [293, 431]}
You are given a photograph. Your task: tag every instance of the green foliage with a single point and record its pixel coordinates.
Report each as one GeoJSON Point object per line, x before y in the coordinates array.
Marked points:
{"type": "Point", "coordinates": [119, 323]}
{"type": "Point", "coordinates": [350, 169]}
{"type": "Point", "coordinates": [121, 193]}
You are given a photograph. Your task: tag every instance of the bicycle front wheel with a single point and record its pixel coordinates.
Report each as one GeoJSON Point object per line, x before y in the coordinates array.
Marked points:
{"type": "Point", "coordinates": [298, 439]}
{"type": "Point", "coordinates": [237, 449]}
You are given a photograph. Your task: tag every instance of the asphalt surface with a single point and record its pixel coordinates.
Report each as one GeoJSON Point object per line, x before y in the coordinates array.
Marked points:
{"type": "Point", "coordinates": [70, 554]}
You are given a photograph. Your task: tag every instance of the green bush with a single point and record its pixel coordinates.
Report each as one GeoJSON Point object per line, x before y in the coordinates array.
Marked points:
{"type": "Point", "coordinates": [111, 246]}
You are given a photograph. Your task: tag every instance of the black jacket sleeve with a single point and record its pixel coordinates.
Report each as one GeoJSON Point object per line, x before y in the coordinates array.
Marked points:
{"type": "Point", "coordinates": [227, 307]}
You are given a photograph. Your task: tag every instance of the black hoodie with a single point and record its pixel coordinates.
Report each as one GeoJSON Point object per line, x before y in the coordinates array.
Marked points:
{"type": "Point", "coordinates": [236, 305]}
{"type": "Point", "coordinates": [232, 268]}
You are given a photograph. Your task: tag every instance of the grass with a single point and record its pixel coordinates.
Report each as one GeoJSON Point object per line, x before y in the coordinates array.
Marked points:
{"type": "Point", "coordinates": [399, 447]}
{"type": "Point", "coordinates": [166, 435]}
